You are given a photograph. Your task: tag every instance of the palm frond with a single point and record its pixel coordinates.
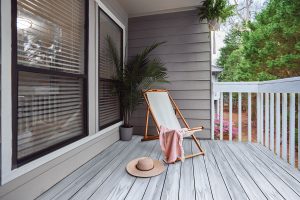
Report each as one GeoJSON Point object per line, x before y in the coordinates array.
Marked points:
{"type": "Point", "coordinates": [140, 72]}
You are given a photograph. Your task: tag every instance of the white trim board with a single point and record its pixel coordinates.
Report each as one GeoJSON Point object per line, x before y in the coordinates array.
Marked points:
{"type": "Point", "coordinates": [111, 15]}
{"type": "Point", "coordinates": [123, 27]}
{"type": "Point", "coordinates": [6, 95]}
{"type": "Point", "coordinates": [286, 85]}
{"type": "Point", "coordinates": [47, 158]}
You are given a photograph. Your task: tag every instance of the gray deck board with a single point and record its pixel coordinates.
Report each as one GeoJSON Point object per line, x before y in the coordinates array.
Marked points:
{"type": "Point", "coordinates": [156, 184]}
{"type": "Point", "coordinates": [227, 171]}
{"type": "Point", "coordinates": [72, 183]}
{"type": "Point", "coordinates": [187, 185]}
{"type": "Point", "coordinates": [142, 183]}
{"type": "Point", "coordinates": [124, 183]}
{"type": "Point", "coordinates": [280, 172]}
{"type": "Point", "coordinates": [171, 185]}
{"type": "Point", "coordinates": [250, 187]}
{"type": "Point", "coordinates": [259, 178]}
{"type": "Point", "coordinates": [119, 179]}
{"type": "Point", "coordinates": [234, 187]}
{"type": "Point", "coordinates": [93, 184]}
{"type": "Point", "coordinates": [281, 163]}
{"type": "Point", "coordinates": [272, 177]}
{"type": "Point", "coordinates": [217, 184]}
{"type": "Point", "coordinates": [202, 186]}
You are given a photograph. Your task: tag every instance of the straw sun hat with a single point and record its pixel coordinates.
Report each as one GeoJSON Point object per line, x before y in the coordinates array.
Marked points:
{"type": "Point", "coordinates": [145, 167]}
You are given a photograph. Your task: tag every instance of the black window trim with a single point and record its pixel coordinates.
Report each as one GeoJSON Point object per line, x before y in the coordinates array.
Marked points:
{"type": "Point", "coordinates": [16, 68]}
{"type": "Point", "coordinates": [106, 79]}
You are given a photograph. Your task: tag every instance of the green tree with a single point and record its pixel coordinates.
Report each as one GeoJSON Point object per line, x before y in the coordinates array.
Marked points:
{"type": "Point", "coordinates": [269, 49]}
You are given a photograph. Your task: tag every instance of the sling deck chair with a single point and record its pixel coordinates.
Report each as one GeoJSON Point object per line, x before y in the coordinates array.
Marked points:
{"type": "Point", "coordinates": [161, 106]}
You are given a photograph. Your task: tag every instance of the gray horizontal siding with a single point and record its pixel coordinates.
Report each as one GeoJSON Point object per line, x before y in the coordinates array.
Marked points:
{"type": "Point", "coordinates": [171, 40]}
{"type": "Point", "coordinates": [175, 21]}
{"type": "Point", "coordinates": [183, 94]}
{"type": "Point", "coordinates": [174, 15]}
{"type": "Point", "coordinates": [194, 86]}
{"type": "Point", "coordinates": [168, 31]}
{"type": "Point", "coordinates": [175, 49]}
{"type": "Point", "coordinates": [186, 55]}
{"type": "Point", "coordinates": [193, 76]}
{"type": "Point", "coordinates": [190, 66]}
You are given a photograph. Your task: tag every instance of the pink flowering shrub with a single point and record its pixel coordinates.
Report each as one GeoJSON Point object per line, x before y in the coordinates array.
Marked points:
{"type": "Point", "coordinates": [225, 128]}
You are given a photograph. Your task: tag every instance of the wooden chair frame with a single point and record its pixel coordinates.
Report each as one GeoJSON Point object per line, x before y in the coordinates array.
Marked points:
{"type": "Point", "coordinates": [177, 111]}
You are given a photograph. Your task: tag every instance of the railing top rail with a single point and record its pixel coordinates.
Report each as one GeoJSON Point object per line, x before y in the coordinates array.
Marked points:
{"type": "Point", "coordinates": [287, 85]}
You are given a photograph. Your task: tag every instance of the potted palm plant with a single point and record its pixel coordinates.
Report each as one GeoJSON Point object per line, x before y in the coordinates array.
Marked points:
{"type": "Point", "coordinates": [130, 79]}
{"type": "Point", "coordinates": [215, 12]}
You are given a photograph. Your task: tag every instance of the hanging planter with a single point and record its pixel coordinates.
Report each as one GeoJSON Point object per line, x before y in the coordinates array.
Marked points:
{"type": "Point", "coordinates": [215, 12]}
{"type": "Point", "coordinates": [213, 25]}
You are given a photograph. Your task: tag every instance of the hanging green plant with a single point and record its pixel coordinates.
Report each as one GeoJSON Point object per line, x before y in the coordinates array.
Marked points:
{"type": "Point", "coordinates": [215, 12]}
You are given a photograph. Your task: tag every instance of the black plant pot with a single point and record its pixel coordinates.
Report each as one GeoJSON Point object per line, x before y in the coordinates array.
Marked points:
{"type": "Point", "coordinates": [126, 133]}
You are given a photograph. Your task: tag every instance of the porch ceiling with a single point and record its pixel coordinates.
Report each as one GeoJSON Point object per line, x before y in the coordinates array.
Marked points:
{"type": "Point", "coordinates": [136, 8]}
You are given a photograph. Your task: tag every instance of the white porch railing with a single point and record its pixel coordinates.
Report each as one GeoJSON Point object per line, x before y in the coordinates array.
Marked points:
{"type": "Point", "coordinates": [277, 105]}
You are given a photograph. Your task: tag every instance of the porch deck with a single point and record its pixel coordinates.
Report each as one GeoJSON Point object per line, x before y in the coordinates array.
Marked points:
{"type": "Point", "coordinates": [229, 170]}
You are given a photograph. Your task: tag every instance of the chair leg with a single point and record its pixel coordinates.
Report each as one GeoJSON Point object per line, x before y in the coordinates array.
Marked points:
{"type": "Point", "coordinates": [198, 144]}
{"type": "Point", "coordinates": [146, 137]}
{"type": "Point", "coordinates": [147, 122]}
{"type": "Point", "coordinates": [151, 137]}
{"type": "Point", "coordinates": [201, 151]}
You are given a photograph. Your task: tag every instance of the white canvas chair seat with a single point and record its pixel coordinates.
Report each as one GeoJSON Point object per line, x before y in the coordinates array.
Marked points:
{"type": "Point", "coordinates": [162, 109]}
{"type": "Point", "coordinates": [164, 112]}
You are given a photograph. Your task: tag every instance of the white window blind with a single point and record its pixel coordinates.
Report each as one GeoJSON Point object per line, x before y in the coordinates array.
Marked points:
{"type": "Point", "coordinates": [109, 104]}
{"type": "Point", "coordinates": [51, 34]}
{"type": "Point", "coordinates": [51, 110]}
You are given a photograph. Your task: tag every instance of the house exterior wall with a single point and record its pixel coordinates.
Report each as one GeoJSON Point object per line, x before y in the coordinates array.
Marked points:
{"type": "Point", "coordinates": [34, 183]}
{"type": "Point", "coordinates": [32, 179]}
{"type": "Point", "coordinates": [186, 55]}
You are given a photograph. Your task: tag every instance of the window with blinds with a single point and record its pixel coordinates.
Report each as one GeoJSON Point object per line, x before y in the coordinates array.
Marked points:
{"type": "Point", "coordinates": [109, 103]}
{"type": "Point", "coordinates": [51, 78]}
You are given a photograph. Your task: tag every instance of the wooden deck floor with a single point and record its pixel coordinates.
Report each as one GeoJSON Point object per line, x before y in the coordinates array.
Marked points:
{"type": "Point", "coordinates": [227, 171]}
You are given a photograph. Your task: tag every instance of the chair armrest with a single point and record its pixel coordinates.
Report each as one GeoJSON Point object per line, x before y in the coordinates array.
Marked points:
{"type": "Point", "coordinates": [196, 128]}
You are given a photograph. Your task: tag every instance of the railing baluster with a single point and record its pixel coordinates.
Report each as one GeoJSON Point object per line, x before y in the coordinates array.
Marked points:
{"type": "Point", "coordinates": [258, 128]}
{"type": "Point", "coordinates": [284, 126]}
{"type": "Point", "coordinates": [249, 118]}
{"type": "Point", "coordinates": [277, 104]}
{"type": "Point", "coordinates": [218, 108]}
{"type": "Point", "coordinates": [299, 131]}
{"type": "Point", "coordinates": [267, 122]}
{"type": "Point", "coordinates": [278, 124]}
{"type": "Point", "coordinates": [272, 122]}
{"type": "Point", "coordinates": [262, 118]}
{"type": "Point", "coordinates": [292, 129]}
{"type": "Point", "coordinates": [221, 116]}
{"type": "Point", "coordinates": [240, 116]}
{"type": "Point", "coordinates": [230, 116]}
{"type": "Point", "coordinates": [212, 118]}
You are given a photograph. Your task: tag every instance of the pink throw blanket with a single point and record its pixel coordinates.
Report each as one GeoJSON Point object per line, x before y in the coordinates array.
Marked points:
{"type": "Point", "coordinates": [171, 143]}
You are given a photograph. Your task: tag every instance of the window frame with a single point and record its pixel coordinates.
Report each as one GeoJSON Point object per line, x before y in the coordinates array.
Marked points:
{"type": "Point", "coordinates": [99, 10]}
{"type": "Point", "coordinates": [16, 68]}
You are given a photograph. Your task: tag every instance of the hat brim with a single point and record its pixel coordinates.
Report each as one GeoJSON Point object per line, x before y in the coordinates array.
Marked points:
{"type": "Point", "coordinates": [157, 169]}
